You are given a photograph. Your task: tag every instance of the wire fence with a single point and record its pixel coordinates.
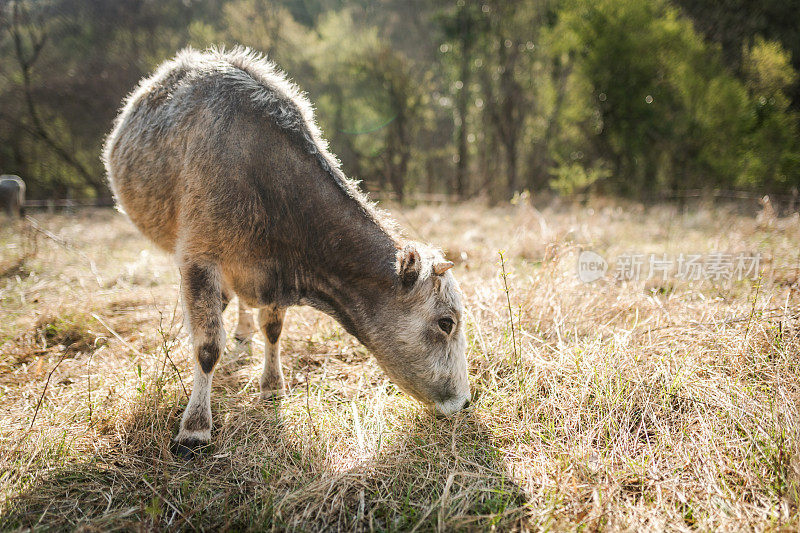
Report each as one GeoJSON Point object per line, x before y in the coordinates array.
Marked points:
{"type": "Point", "coordinates": [783, 203]}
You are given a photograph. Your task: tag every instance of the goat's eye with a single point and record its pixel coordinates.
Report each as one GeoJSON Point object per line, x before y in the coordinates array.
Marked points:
{"type": "Point", "coordinates": [446, 325]}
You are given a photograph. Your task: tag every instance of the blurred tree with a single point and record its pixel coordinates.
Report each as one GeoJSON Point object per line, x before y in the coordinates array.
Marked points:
{"type": "Point", "coordinates": [462, 27]}
{"type": "Point", "coordinates": [28, 35]}
{"type": "Point", "coordinates": [737, 24]}
{"type": "Point", "coordinates": [772, 147]}
{"type": "Point", "coordinates": [456, 96]}
{"type": "Point", "coordinates": [670, 115]}
{"type": "Point", "coordinates": [400, 99]}
{"type": "Point", "coordinates": [59, 97]}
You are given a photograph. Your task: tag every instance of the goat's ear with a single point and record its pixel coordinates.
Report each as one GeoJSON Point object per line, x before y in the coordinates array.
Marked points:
{"type": "Point", "coordinates": [441, 268]}
{"type": "Point", "coordinates": [409, 265]}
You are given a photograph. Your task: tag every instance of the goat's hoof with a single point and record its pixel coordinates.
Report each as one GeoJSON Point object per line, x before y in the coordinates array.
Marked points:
{"type": "Point", "coordinates": [189, 448]}
{"type": "Point", "coordinates": [275, 394]}
{"type": "Point", "coordinates": [242, 345]}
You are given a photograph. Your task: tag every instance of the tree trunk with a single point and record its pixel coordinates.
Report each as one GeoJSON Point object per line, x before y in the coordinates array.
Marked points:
{"type": "Point", "coordinates": [509, 121]}
{"type": "Point", "coordinates": [511, 166]}
{"type": "Point", "coordinates": [540, 161]}
{"type": "Point", "coordinates": [461, 107]}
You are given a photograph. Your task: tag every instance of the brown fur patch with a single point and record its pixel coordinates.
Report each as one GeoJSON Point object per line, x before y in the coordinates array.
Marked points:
{"type": "Point", "coordinates": [273, 331]}
{"type": "Point", "coordinates": [198, 421]}
{"type": "Point", "coordinates": [208, 355]}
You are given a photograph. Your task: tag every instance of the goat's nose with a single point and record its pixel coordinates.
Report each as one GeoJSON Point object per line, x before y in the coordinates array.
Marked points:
{"type": "Point", "coordinates": [451, 406]}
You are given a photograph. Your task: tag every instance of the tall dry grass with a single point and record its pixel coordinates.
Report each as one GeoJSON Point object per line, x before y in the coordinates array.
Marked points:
{"type": "Point", "coordinates": [645, 405]}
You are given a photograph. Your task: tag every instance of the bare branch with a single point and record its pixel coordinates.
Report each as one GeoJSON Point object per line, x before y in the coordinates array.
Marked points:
{"type": "Point", "coordinates": [26, 63]}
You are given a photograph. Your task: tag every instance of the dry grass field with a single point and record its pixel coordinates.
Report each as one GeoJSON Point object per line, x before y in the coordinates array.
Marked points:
{"type": "Point", "coordinates": [614, 405]}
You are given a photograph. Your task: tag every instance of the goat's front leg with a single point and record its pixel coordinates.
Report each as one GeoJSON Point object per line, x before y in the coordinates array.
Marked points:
{"type": "Point", "coordinates": [203, 304]}
{"type": "Point", "coordinates": [271, 322]}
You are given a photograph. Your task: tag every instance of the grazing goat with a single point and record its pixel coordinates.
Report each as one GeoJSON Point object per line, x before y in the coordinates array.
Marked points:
{"type": "Point", "coordinates": [12, 195]}
{"type": "Point", "coordinates": [216, 158]}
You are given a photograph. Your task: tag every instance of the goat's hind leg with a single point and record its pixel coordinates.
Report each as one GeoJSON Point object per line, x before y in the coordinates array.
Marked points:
{"type": "Point", "coordinates": [203, 302]}
{"type": "Point", "coordinates": [245, 325]}
{"type": "Point", "coordinates": [271, 321]}
{"type": "Point", "coordinates": [245, 328]}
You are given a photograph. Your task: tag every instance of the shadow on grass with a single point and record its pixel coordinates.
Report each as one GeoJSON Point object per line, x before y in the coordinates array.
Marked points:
{"type": "Point", "coordinates": [434, 475]}
{"type": "Point", "coordinates": [266, 470]}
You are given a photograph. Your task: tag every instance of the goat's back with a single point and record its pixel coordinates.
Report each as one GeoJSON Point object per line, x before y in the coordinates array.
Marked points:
{"type": "Point", "coordinates": [183, 150]}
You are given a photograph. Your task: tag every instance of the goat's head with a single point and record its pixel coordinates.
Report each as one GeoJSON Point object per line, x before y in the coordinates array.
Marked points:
{"type": "Point", "coordinates": [421, 343]}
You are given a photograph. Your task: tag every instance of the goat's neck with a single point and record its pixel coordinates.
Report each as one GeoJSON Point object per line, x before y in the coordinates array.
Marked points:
{"type": "Point", "coordinates": [349, 266]}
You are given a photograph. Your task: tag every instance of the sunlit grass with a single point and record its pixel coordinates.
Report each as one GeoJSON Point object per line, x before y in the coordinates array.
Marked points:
{"type": "Point", "coordinates": [641, 405]}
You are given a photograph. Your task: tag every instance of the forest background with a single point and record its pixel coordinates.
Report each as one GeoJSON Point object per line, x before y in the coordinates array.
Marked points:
{"type": "Point", "coordinates": [615, 97]}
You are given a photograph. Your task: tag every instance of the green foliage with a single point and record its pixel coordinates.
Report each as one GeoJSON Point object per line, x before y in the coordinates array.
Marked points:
{"type": "Point", "coordinates": [771, 151]}
{"type": "Point", "coordinates": [619, 96]}
{"type": "Point", "coordinates": [671, 116]}
{"type": "Point", "coordinates": [574, 177]}
{"type": "Point", "coordinates": [768, 69]}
